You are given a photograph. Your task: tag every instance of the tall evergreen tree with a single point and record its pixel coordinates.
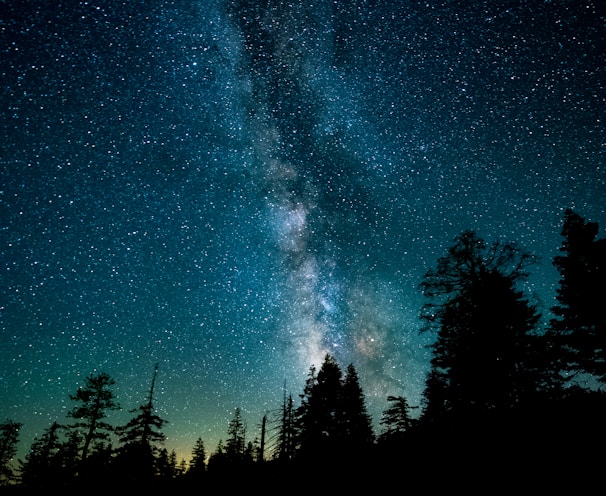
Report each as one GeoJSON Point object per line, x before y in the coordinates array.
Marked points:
{"type": "Point", "coordinates": [332, 421]}
{"type": "Point", "coordinates": [9, 437]}
{"type": "Point", "coordinates": [166, 464]}
{"type": "Point", "coordinates": [484, 349]}
{"type": "Point", "coordinates": [435, 399]}
{"type": "Point", "coordinates": [286, 430]}
{"type": "Point", "coordinates": [396, 419]}
{"type": "Point", "coordinates": [303, 415]}
{"type": "Point", "coordinates": [317, 417]}
{"type": "Point", "coordinates": [68, 459]}
{"type": "Point", "coordinates": [140, 438]}
{"type": "Point", "coordinates": [235, 445]}
{"type": "Point", "coordinates": [95, 399]}
{"type": "Point", "coordinates": [197, 465]}
{"type": "Point", "coordinates": [357, 424]}
{"type": "Point", "coordinates": [580, 322]}
{"type": "Point", "coordinates": [40, 468]}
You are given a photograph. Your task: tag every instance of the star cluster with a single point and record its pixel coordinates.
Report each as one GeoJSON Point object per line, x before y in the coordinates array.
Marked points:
{"type": "Point", "coordinates": [234, 189]}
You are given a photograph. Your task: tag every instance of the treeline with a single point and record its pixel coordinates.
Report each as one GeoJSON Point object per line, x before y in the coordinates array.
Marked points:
{"type": "Point", "coordinates": [506, 395]}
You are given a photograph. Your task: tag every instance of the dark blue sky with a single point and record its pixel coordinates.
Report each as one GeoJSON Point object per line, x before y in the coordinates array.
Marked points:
{"type": "Point", "coordinates": [234, 189]}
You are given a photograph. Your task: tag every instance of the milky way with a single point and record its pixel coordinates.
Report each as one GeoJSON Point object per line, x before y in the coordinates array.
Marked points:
{"type": "Point", "coordinates": [234, 189]}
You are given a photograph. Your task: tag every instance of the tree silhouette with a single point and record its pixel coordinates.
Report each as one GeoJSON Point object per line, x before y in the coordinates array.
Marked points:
{"type": "Point", "coordinates": [217, 461]}
{"type": "Point", "coordinates": [40, 468]}
{"type": "Point", "coordinates": [9, 437]}
{"type": "Point", "coordinates": [396, 419]}
{"type": "Point", "coordinates": [468, 259]}
{"type": "Point", "coordinates": [260, 449]}
{"type": "Point", "coordinates": [235, 455]}
{"type": "Point", "coordinates": [580, 322]}
{"type": "Point", "coordinates": [317, 423]}
{"type": "Point", "coordinates": [166, 464]}
{"type": "Point", "coordinates": [197, 465]}
{"type": "Point", "coordinates": [140, 437]}
{"type": "Point", "coordinates": [332, 421]}
{"type": "Point", "coordinates": [435, 395]}
{"type": "Point", "coordinates": [285, 450]}
{"type": "Point", "coordinates": [94, 400]}
{"type": "Point", "coordinates": [483, 353]}
{"type": "Point", "coordinates": [357, 425]}
{"type": "Point", "coordinates": [235, 446]}
{"type": "Point", "coordinates": [68, 459]}
{"type": "Point", "coordinates": [236, 435]}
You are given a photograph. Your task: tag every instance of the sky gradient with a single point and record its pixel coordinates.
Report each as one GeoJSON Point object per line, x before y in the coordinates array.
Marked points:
{"type": "Point", "coordinates": [234, 189]}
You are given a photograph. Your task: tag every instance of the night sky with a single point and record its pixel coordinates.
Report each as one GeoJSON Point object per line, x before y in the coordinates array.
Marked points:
{"type": "Point", "coordinates": [234, 189]}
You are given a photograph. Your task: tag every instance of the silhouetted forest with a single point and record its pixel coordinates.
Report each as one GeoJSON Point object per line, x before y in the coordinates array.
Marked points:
{"type": "Point", "coordinates": [510, 403]}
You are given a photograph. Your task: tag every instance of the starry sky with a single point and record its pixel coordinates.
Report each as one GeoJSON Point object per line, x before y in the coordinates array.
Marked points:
{"type": "Point", "coordinates": [233, 189]}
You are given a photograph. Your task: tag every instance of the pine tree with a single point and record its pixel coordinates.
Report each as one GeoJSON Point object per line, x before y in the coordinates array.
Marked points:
{"type": "Point", "coordinates": [357, 424]}
{"type": "Point", "coordinates": [217, 461]}
{"type": "Point", "coordinates": [332, 421]}
{"type": "Point", "coordinates": [94, 400]}
{"type": "Point", "coordinates": [197, 465]}
{"type": "Point", "coordinates": [67, 456]}
{"type": "Point", "coordinates": [483, 356]}
{"type": "Point", "coordinates": [166, 464]}
{"type": "Point", "coordinates": [236, 438]}
{"type": "Point", "coordinates": [305, 430]}
{"type": "Point", "coordinates": [140, 438]}
{"type": "Point", "coordinates": [9, 437]}
{"type": "Point", "coordinates": [317, 417]}
{"type": "Point", "coordinates": [182, 468]}
{"type": "Point", "coordinates": [580, 322]}
{"type": "Point", "coordinates": [286, 430]}
{"type": "Point", "coordinates": [435, 395]}
{"type": "Point", "coordinates": [396, 419]}
{"type": "Point", "coordinates": [40, 468]}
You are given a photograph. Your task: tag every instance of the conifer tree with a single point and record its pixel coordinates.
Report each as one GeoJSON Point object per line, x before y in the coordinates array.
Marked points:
{"type": "Point", "coordinates": [197, 465]}
{"type": "Point", "coordinates": [484, 354]}
{"type": "Point", "coordinates": [182, 468]}
{"type": "Point", "coordinates": [236, 438]}
{"type": "Point", "coordinates": [396, 419]}
{"type": "Point", "coordinates": [40, 468]}
{"type": "Point", "coordinates": [217, 461]}
{"type": "Point", "coordinates": [95, 399]}
{"type": "Point", "coordinates": [332, 420]}
{"type": "Point", "coordinates": [166, 464]}
{"type": "Point", "coordinates": [317, 417]}
{"type": "Point", "coordinates": [67, 456]}
{"type": "Point", "coordinates": [357, 424]}
{"type": "Point", "coordinates": [580, 322]}
{"type": "Point", "coordinates": [140, 437]}
{"type": "Point", "coordinates": [304, 414]}
{"type": "Point", "coordinates": [9, 437]}
{"type": "Point", "coordinates": [286, 430]}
